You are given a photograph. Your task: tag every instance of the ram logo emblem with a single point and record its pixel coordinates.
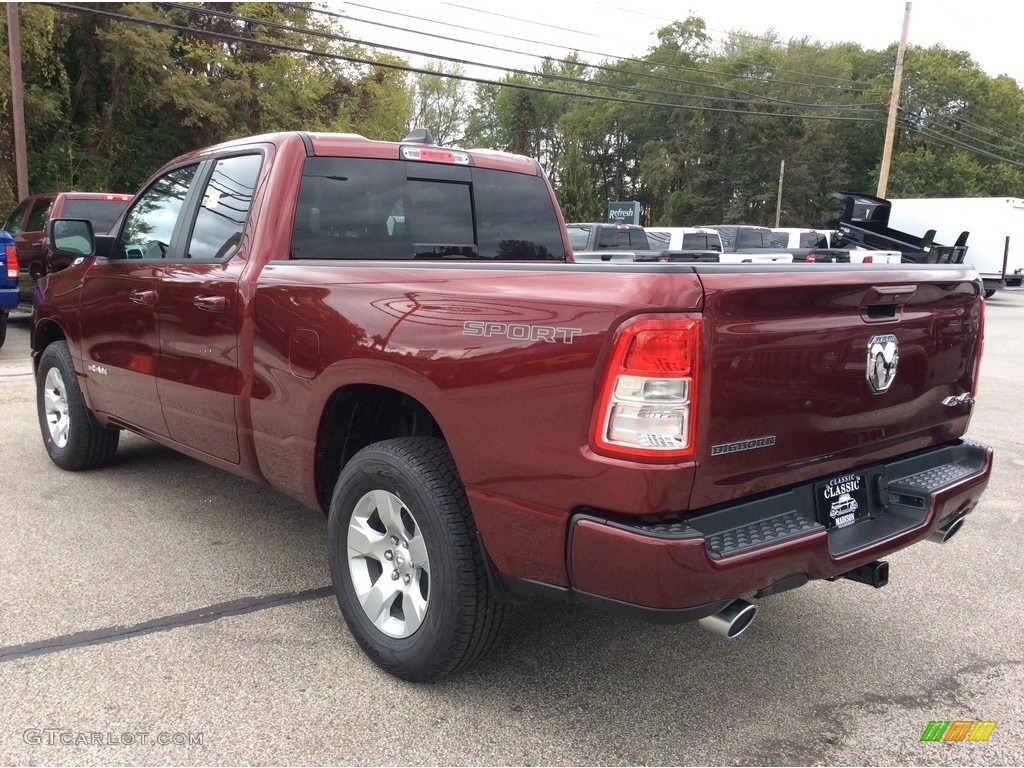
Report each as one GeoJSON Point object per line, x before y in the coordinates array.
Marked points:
{"type": "Point", "coordinates": [883, 356]}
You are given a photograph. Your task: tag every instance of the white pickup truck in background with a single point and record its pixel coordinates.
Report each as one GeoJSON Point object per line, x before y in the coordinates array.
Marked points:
{"type": "Point", "coordinates": [707, 239]}
{"type": "Point", "coordinates": [795, 237]}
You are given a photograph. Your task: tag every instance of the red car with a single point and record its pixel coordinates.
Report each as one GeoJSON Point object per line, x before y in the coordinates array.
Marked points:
{"type": "Point", "coordinates": [27, 224]}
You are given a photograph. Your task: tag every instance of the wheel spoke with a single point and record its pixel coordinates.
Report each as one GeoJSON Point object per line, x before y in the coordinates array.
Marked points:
{"type": "Point", "coordinates": [389, 510]}
{"type": "Point", "coordinates": [364, 541]}
{"type": "Point", "coordinates": [52, 400]}
{"type": "Point", "coordinates": [414, 606]}
{"type": "Point", "coordinates": [418, 552]}
{"type": "Point", "coordinates": [378, 600]}
{"type": "Point", "coordinates": [55, 406]}
{"type": "Point", "coordinates": [59, 431]}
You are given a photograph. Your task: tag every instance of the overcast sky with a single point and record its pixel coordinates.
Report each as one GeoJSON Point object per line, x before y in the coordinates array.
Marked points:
{"type": "Point", "coordinates": [989, 30]}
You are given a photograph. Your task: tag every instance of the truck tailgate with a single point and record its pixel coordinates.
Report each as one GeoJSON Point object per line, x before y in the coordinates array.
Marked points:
{"type": "Point", "coordinates": [807, 373]}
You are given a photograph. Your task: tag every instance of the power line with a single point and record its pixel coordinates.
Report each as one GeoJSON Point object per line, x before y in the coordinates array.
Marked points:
{"type": "Point", "coordinates": [951, 123]}
{"type": "Point", "coordinates": [544, 77]}
{"type": "Point", "coordinates": [845, 81]}
{"type": "Point", "coordinates": [603, 55]}
{"type": "Point", "coordinates": [925, 131]}
{"type": "Point", "coordinates": [956, 143]}
{"type": "Point", "coordinates": [603, 68]}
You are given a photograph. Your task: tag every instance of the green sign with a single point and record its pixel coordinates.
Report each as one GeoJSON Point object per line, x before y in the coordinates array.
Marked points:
{"type": "Point", "coordinates": [624, 213]}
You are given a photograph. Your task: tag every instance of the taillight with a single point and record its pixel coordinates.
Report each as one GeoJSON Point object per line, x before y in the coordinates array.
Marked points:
{"type": "Point", "coordinates": [811, 258]}
{"type": "Point", "coordinates": [645, 408]}
{"type": "Point", "coordinates": [12, 262]}
{"type": "Point", "coordinates": [868, 260]}
{"type": "Point", "coordinates": [981, 349]}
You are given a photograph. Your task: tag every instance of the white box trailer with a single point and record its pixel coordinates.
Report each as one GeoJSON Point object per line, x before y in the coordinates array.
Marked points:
{"type": "Point", "coordinates": [995, 246]}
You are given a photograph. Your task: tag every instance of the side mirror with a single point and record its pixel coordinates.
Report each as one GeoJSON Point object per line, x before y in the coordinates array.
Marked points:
{"type": "Point", "coordinates": [72, 237]}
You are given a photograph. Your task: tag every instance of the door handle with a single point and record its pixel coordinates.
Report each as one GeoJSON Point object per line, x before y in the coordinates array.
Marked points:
{"type": "Point", "coordinates": [885, 302]}
{"type": "Point", "coordinates": [211, 303]}
{"type": "Point", "coordinates": [146, 298]}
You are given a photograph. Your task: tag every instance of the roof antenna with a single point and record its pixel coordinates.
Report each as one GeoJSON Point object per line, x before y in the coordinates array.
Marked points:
{"type": "Point", "coordinates": [420, 136]}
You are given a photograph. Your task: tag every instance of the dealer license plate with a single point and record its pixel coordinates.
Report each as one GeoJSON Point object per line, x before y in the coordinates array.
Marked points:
{"type": "Point", "coordinates": [841, 501]}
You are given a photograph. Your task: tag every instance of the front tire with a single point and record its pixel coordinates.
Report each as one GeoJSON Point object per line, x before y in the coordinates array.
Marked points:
{"type": "Point", "coordinates": [71, 434]}
{"type": "Point", "coordinates": [407, 566]}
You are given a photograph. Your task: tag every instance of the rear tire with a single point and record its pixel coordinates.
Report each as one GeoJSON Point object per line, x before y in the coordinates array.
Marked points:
{"type": "Point", "coordinates": [407, 566]}
{"type": "Point", "coordinates": [990, 293]}
{"type": "Point", "coordinates": [71, 434]}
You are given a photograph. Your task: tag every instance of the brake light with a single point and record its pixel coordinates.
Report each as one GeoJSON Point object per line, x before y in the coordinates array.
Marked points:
{"type": "Point", "coordinates": [435, 155]}
{"type": "Point", "coordinates": [12, 262]}
{"type": "Point", "coordinates": [868, 260]}
{"type": "Point", "coordinates": [811, 258]}
{"type": "Point", "coordinates": [645, 406]}
{"type": "Point", "coordinates": [981, 348]}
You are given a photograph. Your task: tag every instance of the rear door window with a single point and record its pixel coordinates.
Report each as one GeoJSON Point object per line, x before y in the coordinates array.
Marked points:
{"type": "Point", "coordinates": [37, 217]}
{"type": "Point", "coordinates": [224, 207]}
{"type": "Point", "coordinates": [13, 225]}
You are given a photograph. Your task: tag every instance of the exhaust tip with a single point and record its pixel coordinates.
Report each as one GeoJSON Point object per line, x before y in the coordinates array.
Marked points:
{"type": "Point", "coordinates": [949, 530]}
{"type": "Point", "coordinates": [731, 621]}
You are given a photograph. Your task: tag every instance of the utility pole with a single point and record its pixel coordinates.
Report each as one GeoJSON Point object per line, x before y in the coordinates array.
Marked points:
{"type": "Point", "coordinates": [894, 105]}
{"type": "Point", "coordinates": [778, 200]}
{"type": "Point", "coordinates": [17, 99]}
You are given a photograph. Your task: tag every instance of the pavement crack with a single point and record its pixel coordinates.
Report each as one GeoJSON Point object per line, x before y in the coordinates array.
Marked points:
{"type": "Point", "coordinates": [162, 624]}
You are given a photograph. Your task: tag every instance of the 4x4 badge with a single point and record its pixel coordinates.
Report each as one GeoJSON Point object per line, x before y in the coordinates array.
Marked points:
{"type": "Point", "coordinates": [883, 356]}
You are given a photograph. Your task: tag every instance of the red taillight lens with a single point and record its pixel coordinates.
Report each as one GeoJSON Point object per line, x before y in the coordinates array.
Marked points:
{"type": "Point", "coordinates": [868, 260]}
{"type": "Point", "coordinates": [645, 407]}
{"type": "Point", "coordinates": [981, 350]}
{"type": "Point", "coordinates": [12, 262]}
{"type": "Point", "coordinates": [811, 258]}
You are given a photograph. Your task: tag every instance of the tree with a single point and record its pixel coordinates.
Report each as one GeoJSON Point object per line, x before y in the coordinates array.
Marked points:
{"type": "Point", "coordinates": [439, 103]}
{"type": "Point", "coordinates": [109, 100]}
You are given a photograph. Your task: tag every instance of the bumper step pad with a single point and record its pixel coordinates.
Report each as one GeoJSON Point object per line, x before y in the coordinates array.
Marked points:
{"type": "Point", "coordinates": [759, 534]}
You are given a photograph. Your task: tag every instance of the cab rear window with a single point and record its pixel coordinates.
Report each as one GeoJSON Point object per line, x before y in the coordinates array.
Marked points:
{"type": "Point", "coordinates": [701, 242]}
{"type": "Point", "coordinates": [102, 213]}
{"type": "Point", "coordinates": [356, 208]}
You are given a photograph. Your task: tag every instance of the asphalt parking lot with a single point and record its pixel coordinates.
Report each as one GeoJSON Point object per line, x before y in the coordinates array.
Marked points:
{"type": "Point", "coordinates": [162, 612]}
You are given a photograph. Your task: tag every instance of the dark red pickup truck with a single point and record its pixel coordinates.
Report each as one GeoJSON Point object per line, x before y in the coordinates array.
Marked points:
{"type": "Point", "coordinates": [393, 333]}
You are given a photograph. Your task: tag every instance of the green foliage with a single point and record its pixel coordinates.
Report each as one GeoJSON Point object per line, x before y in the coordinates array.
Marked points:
{"type": "Point", "coordinates": [108, 101]}
{"type": "Point", "coordinates": [695, 131]}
